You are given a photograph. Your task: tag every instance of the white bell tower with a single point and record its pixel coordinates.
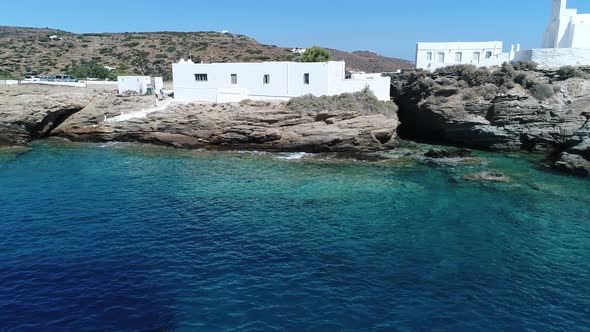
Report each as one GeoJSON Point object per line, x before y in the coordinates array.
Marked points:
{"type": "Point", "coordinates": [560, 18]}
{"type": "Point", "coordinates": [559, 7]}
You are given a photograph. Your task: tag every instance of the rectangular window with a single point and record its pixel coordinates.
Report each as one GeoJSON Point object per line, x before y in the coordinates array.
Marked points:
{"type": "Point", "coordinates": [429, 56]}
{"type": "Point", "coordinates": [306, 79]}
{"type": "Point", "coordinates": [266, 79]}
{"type": "Point", "coordinates": [440, 57]}
{"type": "Point", "coordinates": [488, 54]}
{"type": "Point", "coordinates": [476, 56]}
{"type": "Point", "coordinates": [201, 77]}
{"type": "Point", "coordinates": [458, 57]}
{"type": "Point", "coordinates": [234, 79]}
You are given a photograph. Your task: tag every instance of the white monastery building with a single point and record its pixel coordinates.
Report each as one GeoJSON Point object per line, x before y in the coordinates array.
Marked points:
{"type": "Point", "coordinates": [139, 84]}
{"type": "Point", "coordinates": [567, 28]}
{"type": "Point", "coordinates": [566, 43]}
{"type": "Point", "coordinates": [432, 56]}
{"type": "Point", "coordinates": [234, 82]}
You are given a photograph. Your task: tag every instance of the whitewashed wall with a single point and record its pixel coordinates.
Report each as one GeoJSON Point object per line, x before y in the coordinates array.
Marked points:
{"type": "Point", "coordinates": [380, 86]}
{"type": "Point", "coordinates": [70, 84]}
{"type": "Point", "coordinates": [580, 31]}
{"type": "Point", "coordinates": [102, 83]}
{"type": "Point", "coordinates": [286, 81]}
{"type": "Point", "coordinates": [467, 50]}
{"type": "Point", "coordinates": [556, 57]}
{"type": "Point", "coordinates": [567, 28]}
{"type": "Point", "coordinates": [138, 84]}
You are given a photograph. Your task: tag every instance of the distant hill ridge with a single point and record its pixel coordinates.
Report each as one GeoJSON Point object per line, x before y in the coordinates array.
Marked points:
{"type": "Point", "coordinates": [24, 50]}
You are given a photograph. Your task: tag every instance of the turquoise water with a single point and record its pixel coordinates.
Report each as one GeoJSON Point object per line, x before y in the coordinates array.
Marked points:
{"type": "Point", "coordinates": [125, 237]}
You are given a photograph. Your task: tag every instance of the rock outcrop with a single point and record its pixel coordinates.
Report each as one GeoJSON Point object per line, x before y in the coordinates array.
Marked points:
{"type": "Point", "coordinates": [576, 158]}
{"type": "Point", "coordinates": [30, 112]}
{"type": "Point", "coordinates": [247, 125]}
{"type": "Point", "coordinates": [506, 110]}
{"type": "Point", "coordinates": [507, 120]}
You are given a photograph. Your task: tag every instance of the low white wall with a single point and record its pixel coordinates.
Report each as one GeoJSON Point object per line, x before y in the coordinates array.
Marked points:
{"type": "Point", "coordinates": [556, 57]}
{"type": "Point", "coordinates": [8, 82]}
{"type": "Point", "coordinates": [71, 84]}
{"type": "Point", "coordinates": [110, 83]}
{"type": "Point", "coordinates": [380, 86]}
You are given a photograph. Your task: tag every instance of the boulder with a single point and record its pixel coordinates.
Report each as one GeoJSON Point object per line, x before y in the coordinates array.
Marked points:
{"type": "Point", "coordinates": [441, 154]}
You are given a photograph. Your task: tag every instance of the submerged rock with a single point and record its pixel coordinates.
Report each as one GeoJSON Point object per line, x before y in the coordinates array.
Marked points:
{"type": "Point", "coordinates": [441, 154]}
{"type": "Point", "coordinates": [487, 177]}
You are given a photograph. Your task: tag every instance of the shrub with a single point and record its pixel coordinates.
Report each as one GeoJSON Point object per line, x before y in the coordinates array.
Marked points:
{"type": "Point", "coordinates": [543, 91]}
{"type": "Point", "coordinates": [488, 91]}
{"type": "Point", "coordinates": [91, 70]}
{"type": "Point", "coordinates": [131, 45]}
{"type": "Point", "coordinates": [363, 102]}
{"type": "Point", "coordinates": [505, 75]}
{"type": "Point", "coordinates": [566, 72]}
{"type": "Point", "coordinates": [526, 80]}
{"type": "Point", "coordinates": [316, 54]}
{"type": "Point", "coordinates": [161, 56]}
{"type": "Point", "coordinates": [525, 65]}
{"type": "Point", "coordinates": [469, 73]}
{"type": "Point", "coordinates": [254, 51]}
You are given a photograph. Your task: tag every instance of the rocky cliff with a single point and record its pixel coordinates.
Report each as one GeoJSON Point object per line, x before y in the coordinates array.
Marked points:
{"type": "Point", "coordinates": [506, 109]}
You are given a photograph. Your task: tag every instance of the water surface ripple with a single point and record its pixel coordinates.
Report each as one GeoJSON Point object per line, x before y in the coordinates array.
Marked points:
{"type": "Point", "coordinates": [121, 238]}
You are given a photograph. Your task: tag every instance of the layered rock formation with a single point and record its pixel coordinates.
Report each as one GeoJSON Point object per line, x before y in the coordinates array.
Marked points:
{"type": "Point", "coordinates": [31, 112]}
{"type": "Point", "coordinates": [575, 159]}
{"type": "Point", "coordinates": [543, 112]}
{"type": "Point", "coordinates": [248, 125]}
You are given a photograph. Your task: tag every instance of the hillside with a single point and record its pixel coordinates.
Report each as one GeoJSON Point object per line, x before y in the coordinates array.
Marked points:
{"type": "Point", "coordinates": [370, 62]}
{"type": "Point", "coordinates": [24, 50]}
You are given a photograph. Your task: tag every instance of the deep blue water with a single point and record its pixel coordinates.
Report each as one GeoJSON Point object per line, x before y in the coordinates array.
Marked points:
{"type": "Point", "coordinates": [134, 238]}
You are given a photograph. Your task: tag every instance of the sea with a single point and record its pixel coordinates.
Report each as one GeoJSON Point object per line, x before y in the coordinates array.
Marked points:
{"type": "Point", "coordinates": [126, 237]}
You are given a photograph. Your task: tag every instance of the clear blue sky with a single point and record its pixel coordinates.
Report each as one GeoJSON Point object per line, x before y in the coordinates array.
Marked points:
{"type": "Point", "coordinates": [389, 27]}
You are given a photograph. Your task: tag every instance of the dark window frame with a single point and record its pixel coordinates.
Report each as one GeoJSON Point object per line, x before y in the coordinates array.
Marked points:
{"type": "Point", "coordinates": [201, 77]}
{"type": "Point", "coordinates": [306, 79]}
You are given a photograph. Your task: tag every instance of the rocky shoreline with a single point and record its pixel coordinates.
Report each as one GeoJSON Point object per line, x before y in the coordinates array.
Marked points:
{"type": "Point", "coordinates": [362, 124]}
{"type": "Point", "coordinates": [440, 108]}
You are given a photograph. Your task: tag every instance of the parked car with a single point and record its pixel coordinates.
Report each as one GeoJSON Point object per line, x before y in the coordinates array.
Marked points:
{"type": "Point", "coordinates": [47, 78]}
{"type": "Point", "coordinates": [65, 78]}
{"type": "Point", "coordinates": [32, 78]}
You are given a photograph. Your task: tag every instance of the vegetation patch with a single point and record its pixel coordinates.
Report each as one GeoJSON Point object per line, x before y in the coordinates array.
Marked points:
{"type": "Point", "coordinates": [363, 102]}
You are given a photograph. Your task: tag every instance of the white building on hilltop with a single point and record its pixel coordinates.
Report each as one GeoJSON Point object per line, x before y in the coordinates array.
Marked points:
{"type": "Point", "coordinates": [567, 28]}
{"type": "Point", "coordinates": [234, 82]}
{"type": "Point", "coordinates": [431, 56]}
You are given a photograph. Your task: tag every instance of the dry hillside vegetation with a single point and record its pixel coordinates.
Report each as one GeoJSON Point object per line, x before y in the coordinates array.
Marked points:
{"type": "Point", "coordinates": [25, 50]}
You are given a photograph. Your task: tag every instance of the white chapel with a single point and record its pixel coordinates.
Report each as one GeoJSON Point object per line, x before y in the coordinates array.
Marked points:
{"type": "Point", "coordinates": [567, 28]}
